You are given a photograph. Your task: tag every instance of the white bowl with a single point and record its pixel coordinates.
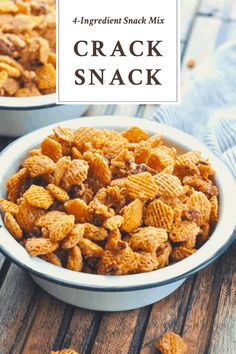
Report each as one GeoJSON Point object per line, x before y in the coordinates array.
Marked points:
{"type": "Point", "coordinates": [116, 293]}
{"type": "Point", "coordinates": [21, 115]}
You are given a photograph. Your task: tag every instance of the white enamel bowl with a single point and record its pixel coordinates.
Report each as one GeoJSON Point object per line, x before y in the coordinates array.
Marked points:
{"type": "Point", "coordinates": [116, 293]}
{"type": "Point", "coordinates": [21, 115]}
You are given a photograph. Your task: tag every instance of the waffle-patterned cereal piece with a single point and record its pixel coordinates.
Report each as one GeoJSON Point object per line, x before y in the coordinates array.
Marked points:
{"type": "Point", "coordinates": [58, 193]}
{"type": "Point", "coordinates": [7, 206]}
{"type": "Point", "coordinates": [61, 228]}
{"type": "Point", "coordinates": [199, 204]}
{"type": "Point", "coordinates": [65, 351]}
{"type": "Point", "coordinates": [27, 215]}
{"type": "Point", "coordinates": [83, 135]}
{"type": "Point", "coordinates": [49, 218]}
{"type": "Point", "coordinates": [51, 148]}
{"type": "Point", "coordinates": [52, 258]}
{"type": "Point", "coordinates": [118, 262]}
{"type": "Point", "coordinates": [78, 208]}
{"type": "Point", "coordinates": [74, 236]}
{"type": "Point", "coordinates": [172, 343]}
{"type": "Point", "coordinates": [147, 239]}
{"type": "Point", "coordinates": [64, 134]}
{"type": "Point", "coordinates": [14, 184]}
{"type": "Point", "coordinates": [89, 248]}
{"type": "Point", "coordinates": [133, 215]}
{"type": "Point", "coordinates": [74, 260]}
{"type": "Point", "coordinates": [142, 152]}
{"type": "Point", "coordinates": [60, 169]}
{"type": "Point", "coordinates": [161, 157]}
{"type": "Point", "coordinates": [181, 252]}
{"type": "Point", "coordinates": [147, 262]}
{"type": "Point", "coordinates": [46, 77]}
{"type": "Point", "coordinates": [38, 197]}
{"type": "Point", "coordinates": [168, 185]}
{"type": "Point", "coordinates": [135, 134]}
{"type": "Point", "coordinates": [183, 231]}
{"type": "Point", "coordinates": [39, 165]}
{"type": "Point", "coordinates": [99, 168]}
{"type": "Point", "coordinates": [142, 186]}
{"type": "Point", "coordinates": [159, 214]}
{"type": "Point", "coordinates": [75, 174]}
{"type": "Point", "coordinates": [40, 246]}
{"type": "Point", "coordinates": [12, 226]}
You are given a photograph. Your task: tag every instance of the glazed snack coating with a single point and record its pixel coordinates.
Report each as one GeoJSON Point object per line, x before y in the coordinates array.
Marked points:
{"type": "Point", "coordinates": [82, 201]}
{"type": "Point", "coordinates": [27, 47]}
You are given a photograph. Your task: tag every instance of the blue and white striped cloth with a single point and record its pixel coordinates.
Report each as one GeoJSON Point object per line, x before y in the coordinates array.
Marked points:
{"type": "Point", "coordinates": [208, 105]}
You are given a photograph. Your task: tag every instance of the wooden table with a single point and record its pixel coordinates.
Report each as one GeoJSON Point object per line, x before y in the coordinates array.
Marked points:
{"type": "Point", "coordinates": [203, 309]}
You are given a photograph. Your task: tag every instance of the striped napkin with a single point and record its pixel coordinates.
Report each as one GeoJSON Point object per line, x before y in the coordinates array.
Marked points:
{"type": "Point", "coordinates": [208, 105]}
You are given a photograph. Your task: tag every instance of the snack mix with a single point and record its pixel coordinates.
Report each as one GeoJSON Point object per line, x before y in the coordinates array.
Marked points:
{"type": "Point", "coordinates": [27, 47]}
{"type": "Point", "coordinates": [110, 203]}
{"type": "Point", "coordinates": [172, 343]}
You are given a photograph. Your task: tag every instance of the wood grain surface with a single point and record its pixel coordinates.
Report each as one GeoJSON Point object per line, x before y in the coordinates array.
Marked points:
{"type": "Point", "coordinates": [203, 309]}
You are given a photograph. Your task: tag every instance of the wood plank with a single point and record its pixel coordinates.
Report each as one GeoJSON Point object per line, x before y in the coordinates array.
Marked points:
{"type": "Point", "coordinates": [16, 294]}
{"type": "Point", "coordinates": [202, 308]}
{"type": "Point", "coordinates": [80, 331]}
{"type": "Point", "coordinates": [223, 339]}
{"type": "Point", "coordinates": [115, 332]}
{"type": "Point", "coordinates": [167, 315]}
{"type": "Point", "coordinates": [2, 259]}
{"type": "Point", "coordinates": [41, 325]}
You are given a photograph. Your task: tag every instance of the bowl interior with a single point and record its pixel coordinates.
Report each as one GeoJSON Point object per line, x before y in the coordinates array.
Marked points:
{"type": "Point", "coordinates": [14, 154]}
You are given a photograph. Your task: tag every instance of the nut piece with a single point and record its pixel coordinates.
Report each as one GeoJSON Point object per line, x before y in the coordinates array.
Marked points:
{"type": "Point", "coordinates": [40, 246]}
{"type": "Point", "coordinates": [12, 226]}
{"type": "Point", "coordinates": [172, 343]}
{"type": "Point", "coordinates": [114, 222]}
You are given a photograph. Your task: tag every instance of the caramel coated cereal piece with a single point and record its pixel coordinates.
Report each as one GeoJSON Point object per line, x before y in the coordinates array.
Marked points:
{"type": "Point", "coordinates": [113, 222]}
{"type": "Point", "coordinates": [99, 168]}
{"type": "Point", "coordinates": [155, 140]}
{"type": "Point", "coordinates": [198, 184]}
{"type": "Point", "coordinates": [90, 249]}
{"type": "Point", "coordinates": [147, 262]}
{"type": "Point", "coordinates": [7, 206]}
{"type": "Point", "coordinates": [27, 215]}
{"type": "Point", "coordinates": [74, 236]}
{"type": "Point", "coordinates": [96, 208]}
{"type": "Point", "coordinates": [132, 214]}
{"type": "Point", "coordinates": [159, 214]}
{"type": "Point", "coordinates": [39, 165]}
{"type": "Point", "coordinates": [8, 6]}
{"type": "Point", "coordinates": [186, 164]}
{"type": "Point", "coordinates": [142, 152]}
{"type": "Point", "coordinates": [15, 183]}
{"type": "Point", "coordinates": [163, 254]}
{"type": "Point", "coordinates": [64, 134]}
{"type": "Point", "coordinates": [3, 78]}
{"type": "Point", "coordinates": [183, 231]}
{"type": "Point", "coordinates": [172, 343]}
{"type": "Point", "coordinates": [168, 185]}
{"type": "Point", "coordinates": [49, 218]}
{"type": "Point", "coordinates": [95, 233]}
{"type": "Point", "coordinates": [118, 262]}
{"type": "Point", "coordinates": [46, 77]}
{"type": "Point", "coordinates": [52, 258]}
{"type": "Point", "coordinates": [52, 149]}
{"type": "Point", "coordinates": [214, 209]}
{"type": "Point", "coordinates": [40, 246]}
{"type": "Point", "coordinates": [74, 260]}
{"type": "Point", "coordinates": [161, 157]}
{"type": "Point", "coordinates": [84, 135]}
{"type": "Point", "coordinates": [78, 208]}
{"type": "Point", "coordinates": [75, 174]}
{"type": "Point", "coordinates": [12, 226]}
{"type": "Point", "coordinates": [60, 168]}
{"type": "Point", "coordinates": [135, 135]}
{"type": "Point", "coordinates": [38, 197]}
{"type": "Point", "coordinates": [141, 186]}
{"type": "Point", "coordinates": [203, 234]}
{"type": "Point", "coordinates": [199, 208]}
{"type": "Point", "coordinates": [76, 154]}
{"type": "Point", "coordinates": [61, 228]}
{"type": "Point", "coordinates": [65, 351]}
{"type": "Point", "coordinates": [147, 239]}
{"type": "Point", "coordinates": [58, 193]}
{"type": "Point", "coordinates": [181, 252]}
